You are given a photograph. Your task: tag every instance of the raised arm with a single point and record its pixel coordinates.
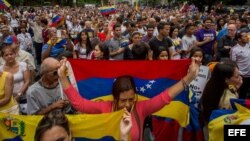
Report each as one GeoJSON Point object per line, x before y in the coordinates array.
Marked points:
{"type": "Point", "coordinates": [164, 98]}
{"type": "Point", "coordinates": [193, 71]}
{"type": "Point", "coordinates": [77, 101]}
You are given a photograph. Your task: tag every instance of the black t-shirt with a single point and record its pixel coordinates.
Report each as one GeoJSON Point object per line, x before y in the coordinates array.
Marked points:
{"type": "Point", "coordinates": [154, 44]}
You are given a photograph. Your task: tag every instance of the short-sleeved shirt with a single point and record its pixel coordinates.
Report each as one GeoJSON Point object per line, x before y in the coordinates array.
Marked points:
{"type": "Point", "coordinates": [39, 97]}
{"type": "Point", "coordinates": [201, 35]}
{"type": "Point", "coordinates": [154, 44]}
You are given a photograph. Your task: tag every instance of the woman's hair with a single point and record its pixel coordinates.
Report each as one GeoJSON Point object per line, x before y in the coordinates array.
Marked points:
{"type": "Point", "coordinates": [103, 48]}
{"type": "Point", "coordinates": [54, 118]}
{"type": "Point", "coordinates": [88, 43]}
{"type": "Point", "coordinates": [172, 30]}
{"type": "Point", "coordinates": [158, 52]}
{"type": "Point", "coordinates": [218, 23]}
{"type": "Point", "coordinates": [122, 84]}
{"type": "Point", "coordinates": [4, 47]}
{"type": "Point", "coordinates": [215, 87]}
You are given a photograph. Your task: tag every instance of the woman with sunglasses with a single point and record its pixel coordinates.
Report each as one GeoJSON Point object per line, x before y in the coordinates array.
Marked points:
{"type": "Point", "coordinates": [19, 70]}
{"type": "Point", "coordinates": [124, 95]}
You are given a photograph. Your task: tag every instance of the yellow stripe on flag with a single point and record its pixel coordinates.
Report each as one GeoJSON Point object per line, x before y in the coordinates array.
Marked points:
{"type": "Point", "coordinates": [90, 126]}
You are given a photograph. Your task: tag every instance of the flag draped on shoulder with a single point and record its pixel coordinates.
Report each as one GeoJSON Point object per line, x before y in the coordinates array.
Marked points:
{"type": "Point", "coordinates": [83, 126]}
{"type": "Point", "coordinates": [94, 81]}
{"type": "Point", "coordinates": [219, 118]}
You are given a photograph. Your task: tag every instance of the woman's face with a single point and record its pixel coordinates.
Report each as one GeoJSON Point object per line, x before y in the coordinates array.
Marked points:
{"type": "Point", "coordinates": [221, 22]}
{"type": "Point", "coordinates": [127, 100]}
{"type": "Point", "coordinates": [97, 52]}
{"type": "Point", "coordinates": [9, 55]}
{"type": "Point", "coordinates": [163, 55]}
{"type": "Point", "coordinates": [56, 133]}
{"type": "Point", "coordinates": [236, 79]}
{"type": "Point", "coordinates": [83, 36]}
{"type": "Point", "coordinates": [199, 56]}
{"type": "Point", "coordinates": [175, 32]}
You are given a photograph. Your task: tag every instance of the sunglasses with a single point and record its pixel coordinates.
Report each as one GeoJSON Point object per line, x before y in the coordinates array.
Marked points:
{"type": "Point", "coordinates": [54, 73]}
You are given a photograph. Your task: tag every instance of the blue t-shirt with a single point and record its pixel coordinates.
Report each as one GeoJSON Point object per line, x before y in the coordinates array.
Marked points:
{"type": "Point", "coordinates": [55, 50]}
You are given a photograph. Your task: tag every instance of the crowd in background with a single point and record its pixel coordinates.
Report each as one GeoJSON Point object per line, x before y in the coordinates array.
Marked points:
{"type": "Point", "coordinates": [34, 40]}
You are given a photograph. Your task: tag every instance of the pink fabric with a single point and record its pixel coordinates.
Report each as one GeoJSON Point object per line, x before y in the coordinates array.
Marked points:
{"type": "Point", "coordinates": [143, 108]}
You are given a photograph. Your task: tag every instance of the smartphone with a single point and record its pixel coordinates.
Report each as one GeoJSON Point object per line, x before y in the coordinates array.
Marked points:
{"type": "Point", "coordinates": [59, 33]}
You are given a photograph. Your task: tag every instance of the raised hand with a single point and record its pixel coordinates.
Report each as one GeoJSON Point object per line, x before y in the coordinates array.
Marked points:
{"type": "Point", "coordinates": [125, 125]}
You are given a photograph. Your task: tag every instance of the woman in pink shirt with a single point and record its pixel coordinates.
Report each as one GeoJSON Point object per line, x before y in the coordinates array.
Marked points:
{"type": "Point", "coordinates": [124, 94]}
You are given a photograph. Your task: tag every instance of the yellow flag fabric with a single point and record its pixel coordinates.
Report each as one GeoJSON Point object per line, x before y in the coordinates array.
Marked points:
{"type": "Point", "coordinates": [167, 111]}
{"type": "Point", "coordinates": [88, 126]}
{"type": "Point", "coordinates": [216, 126]}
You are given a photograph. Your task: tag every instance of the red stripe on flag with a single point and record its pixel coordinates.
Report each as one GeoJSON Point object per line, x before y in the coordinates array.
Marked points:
{"type": "Point", "coordinates": [172, 69]}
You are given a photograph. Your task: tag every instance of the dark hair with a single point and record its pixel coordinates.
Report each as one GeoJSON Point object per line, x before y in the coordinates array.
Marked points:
{"type": "Point", "coordinates": [122, 84]}
{"type": "Point", "coordinates": [133, 34]}
{"type": "Point", "coordinates": [215, 87]}
{"type": "Point", "coordinates": [218, 23]}
{"type": "Point", "coordinates": [239, 35]}
{"type": "Point", "coordinates": [5, 46]}
{"type": "Point", "coordinates": [161, 25]}
{"type": "Point", "coordinates": [172, 30]}
{"type": "Point", "coordinates": [44, 21]}
{"type": "Point", "coordinates": [207, 19]}
{"type": "Point", "coordinates": [105, 51]}
{"type": "Point", "coordinates": [157, 19]}
{"type": "Point", "coordinates": [116, 25]}
{"type": "Point", "coordinates": [54, 118]}
{"type": "Point", "coordinates": [88, 43]}
{"type": "Point", "coordinates": [140, 51]}
{"type": "Point", "coordinates": [188, 26]}
{"type": "Point", "coordinates": [150, 26]}
{"type": "Point", "coordinates": [158, 52]}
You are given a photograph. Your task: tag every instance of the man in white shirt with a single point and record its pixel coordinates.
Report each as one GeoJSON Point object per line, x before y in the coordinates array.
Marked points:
{"type": "Point", "coordinates": [241, 55]}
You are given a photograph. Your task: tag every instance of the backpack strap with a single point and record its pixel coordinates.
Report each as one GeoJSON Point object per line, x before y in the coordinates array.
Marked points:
{"type": "Point", "coordinates": [138, 122]}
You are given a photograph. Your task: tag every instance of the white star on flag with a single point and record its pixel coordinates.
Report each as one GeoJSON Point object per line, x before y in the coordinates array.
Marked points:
{"type": "Point", "coordinates": [148, 86]}
{"type": "Point", "coordinates": [152, 81]}
{"type": "Point", "coordinates": [142, 89]}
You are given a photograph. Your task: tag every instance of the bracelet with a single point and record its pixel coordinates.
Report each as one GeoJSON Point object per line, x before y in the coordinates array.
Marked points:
{"type": "Point", "coordinates": [185, 85]}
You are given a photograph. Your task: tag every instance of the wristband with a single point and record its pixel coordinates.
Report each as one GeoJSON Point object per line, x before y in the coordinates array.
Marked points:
{"type": "Point", "coordinates": [185, 85]}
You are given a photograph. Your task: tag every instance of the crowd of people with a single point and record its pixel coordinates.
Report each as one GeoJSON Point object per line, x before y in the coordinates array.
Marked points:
{"type": "Point", "coordinates": [36, 41]}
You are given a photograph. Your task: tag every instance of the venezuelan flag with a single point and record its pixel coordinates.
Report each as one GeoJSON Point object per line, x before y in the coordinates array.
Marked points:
{"type": "Point", "coordinates": [4, 4]}
{"type": "Point", "coordinates": [151, 78]}
{"type": "Point", "coordinates": [57, 21]}
{"type": "Point", "coordinates": [219, 118]}
{"type": "Point", "coordinates": [193, 131]}
{"type": "Point", "coordinates": [84, 127]}
{"type": "Point", "coordinates": [107, 10]}
{"type": "Point", "coordinates": [243, 102]}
